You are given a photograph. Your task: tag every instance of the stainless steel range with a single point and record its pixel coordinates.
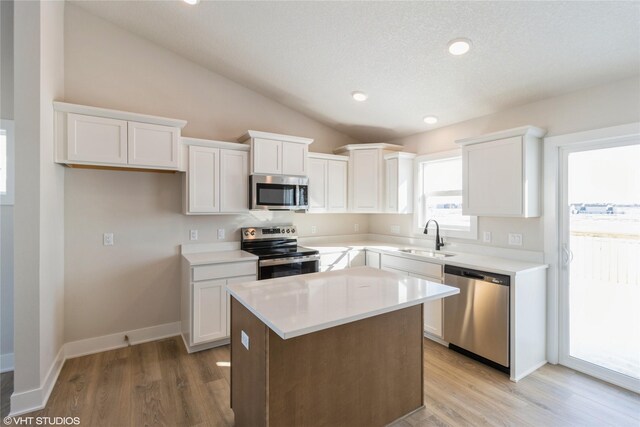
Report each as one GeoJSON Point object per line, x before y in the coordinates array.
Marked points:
{"type": "Point", "coordinates": [278, 252]}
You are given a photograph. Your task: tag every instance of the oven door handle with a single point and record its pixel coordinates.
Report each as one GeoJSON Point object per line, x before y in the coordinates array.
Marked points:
{"type": "Point", "coordinates": [281, 261]}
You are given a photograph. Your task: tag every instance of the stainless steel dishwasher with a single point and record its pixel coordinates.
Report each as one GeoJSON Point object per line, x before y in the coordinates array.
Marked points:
{"type": "Point", "coordinates": [476, 321]}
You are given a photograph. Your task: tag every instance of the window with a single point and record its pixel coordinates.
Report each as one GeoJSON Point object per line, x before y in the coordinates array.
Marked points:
{"type": "Point", "coordinates": [439, 195]}
{"type": "Point", "coordinates": [6, 162]}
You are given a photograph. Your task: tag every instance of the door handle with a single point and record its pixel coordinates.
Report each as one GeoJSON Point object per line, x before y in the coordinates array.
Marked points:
{"type": "Point", "coordinates": [568, 255]}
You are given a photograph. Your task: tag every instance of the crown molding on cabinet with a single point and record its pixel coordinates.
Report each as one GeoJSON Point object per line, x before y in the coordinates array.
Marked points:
{"type": "Point", "coordinates": [66, 107]}
{"type": "Point", "coordinates": [382, 146]}
{"type": "Point", "coordinates": [275, 136]}
{"type": "Point", "coordinates": [529, 130]}
{"type": "Point", "coordinates": [400, 155]}
{"type": "Point", "coordinates": [213, 143]}
{"type": "Point", "coordinates": [325, 156]}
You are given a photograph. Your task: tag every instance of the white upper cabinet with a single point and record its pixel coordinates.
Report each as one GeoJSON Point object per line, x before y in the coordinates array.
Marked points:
{"type": "Point", "coordinates": [501, 173]}
{"type": "Point", "coordinates": [337, 184]}
{"type": "Point", "coordinates": [234, 181]}
{"type": "Point", "coordinates": [92, 136]}
{"type": "Point", "coordinates": [399, 182]}
{"type": "Point", "coordinates": [267, 156]}
{"type": "Point", "coordinates": [366, 175]}
{"type": "Point", "coordinates": [275, 154]}
{"type": "Point", "coordinates": [217, 179]}
{"type": "Point", "coordinates": [327, 183]}
{"type": "Point", "coordinates": [153, 145]}
{"type": "Point", "coordinates": [96, 139]}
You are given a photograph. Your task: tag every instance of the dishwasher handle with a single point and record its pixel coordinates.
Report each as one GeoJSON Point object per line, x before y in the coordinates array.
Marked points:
{"type": "Point", "coordinates": [467, 273]}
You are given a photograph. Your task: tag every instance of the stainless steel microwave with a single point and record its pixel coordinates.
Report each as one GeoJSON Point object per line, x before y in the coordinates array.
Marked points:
{"type": "Point", "coordinates": [279, 193]}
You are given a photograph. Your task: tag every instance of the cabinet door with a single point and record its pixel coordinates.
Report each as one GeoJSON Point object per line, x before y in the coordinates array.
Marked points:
{"type": "Point", "coordinates": [96, 140]}
{"type": "Point", "coordinates": [372, 259]}
{"type": "Point", "coordinates": [318, 185]}
{"type": "Point", "coordinates": [294, 158]}
{"type": "Point", "coordinates": [267, 156]}
{"type": "Point", "coordinates": [493, 178]}
{"type": "Point", "coordinates": [337, 186]}
{"type": "Point", "coordinates": [392, 185]}
{"type": "Point", "coordinates": [204, 179]}
{"type": "Point", "coordinates": [209, 311]}
{"type": "Point", "coordinates": [432, 310]}
{"type": "Point", "coordinates": [365, 180]}
{"type": "Point", "coordinates": [234, 181]}
{"type": "Point", "coordinates": [153, 145]}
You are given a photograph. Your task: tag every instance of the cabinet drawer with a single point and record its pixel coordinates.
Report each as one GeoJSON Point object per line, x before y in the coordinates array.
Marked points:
{"type": "Point", "coordinates": [412, 266]}
{"type": "Point", "coordinates": [217, 271]}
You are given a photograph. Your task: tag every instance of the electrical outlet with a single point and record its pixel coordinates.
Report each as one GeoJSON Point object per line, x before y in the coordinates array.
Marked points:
{"type": "Point", "coordinates": [486, 236]}
{"type": "Point", "coordinates": [314, 229]}
{"type": "Point", "coordinates": [220, 233]}
{"type": "Point", "coordinates": [356, 227]}
{"type": "Point", "coordinates": [395, 229]}
{"type": "Point", "coordinates": [245, 339]}
{"type": "Point", "coordinates": [193, 235]}
{"type": "Point", "coordinates": [515, 239]}
{"type": "Point", "coordinates": [107, 239]}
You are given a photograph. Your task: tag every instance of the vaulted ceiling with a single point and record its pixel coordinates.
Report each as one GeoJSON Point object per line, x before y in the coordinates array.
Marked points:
{"type": "Point", "coordinates": [310, 56]}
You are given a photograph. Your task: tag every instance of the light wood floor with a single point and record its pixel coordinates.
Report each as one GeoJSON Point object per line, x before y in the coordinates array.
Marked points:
{"type": "Point", "coordinates": [158, 383]}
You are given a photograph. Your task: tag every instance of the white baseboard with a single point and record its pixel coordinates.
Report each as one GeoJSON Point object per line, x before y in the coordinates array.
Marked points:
{"type": "Point", "coordinates": [113, 341]}
{"type": "Point", "coordinates": [36, 399]}
{"type": "Point", "coordinates": [6, 362]}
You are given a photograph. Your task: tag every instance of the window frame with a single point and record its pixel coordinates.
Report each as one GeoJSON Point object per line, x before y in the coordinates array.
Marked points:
{"type": "Point", "coordinates": [445, 230]}
{"type": "Point", "coordinates": [8, 198]}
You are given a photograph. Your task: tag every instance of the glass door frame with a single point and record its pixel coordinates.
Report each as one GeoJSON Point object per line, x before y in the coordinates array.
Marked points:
{"type": "Point", "coordinates": [565, 257]}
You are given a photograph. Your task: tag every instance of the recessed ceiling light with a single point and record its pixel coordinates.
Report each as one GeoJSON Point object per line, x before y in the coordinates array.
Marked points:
{"type": "Point", "coordinates": [191, 2]}
{"type": "Point", "coordinates": [359, 96]}
{"type": "Point", "coordinates": [459, 46]}
{"type": "Point", "coordinates": [430, 120]}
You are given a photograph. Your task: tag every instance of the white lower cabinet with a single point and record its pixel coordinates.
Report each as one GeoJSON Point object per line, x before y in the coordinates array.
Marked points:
{"type": "Point", "coordinates": [373, 259]}
{"type": "Point", "coordinates": [422, 270]}
{"type": "Point", "coordinates": [205, 302]}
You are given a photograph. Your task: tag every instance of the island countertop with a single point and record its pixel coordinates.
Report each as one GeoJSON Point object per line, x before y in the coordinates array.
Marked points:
{"type": "Point", "coordinates": [298, 305]}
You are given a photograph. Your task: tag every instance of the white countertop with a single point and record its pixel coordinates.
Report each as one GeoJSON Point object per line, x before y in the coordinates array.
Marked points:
{"type": "Point", "coordinates": [299, 305]}
{"type": "Point", "coordinates": [478, 262]}
{"type": "Point", "coordinates": [217, 257]}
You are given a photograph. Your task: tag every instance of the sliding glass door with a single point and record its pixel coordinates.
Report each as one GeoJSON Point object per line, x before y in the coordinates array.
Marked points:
{"type": "Point", "coordinates": [600, 246]}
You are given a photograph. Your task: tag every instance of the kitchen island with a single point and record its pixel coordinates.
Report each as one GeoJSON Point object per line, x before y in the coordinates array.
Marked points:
{"type": "Point", "coordinates": [334, 348]}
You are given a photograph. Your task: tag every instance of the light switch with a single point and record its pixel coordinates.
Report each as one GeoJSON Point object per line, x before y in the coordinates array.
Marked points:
{"type": "Point", "coordinates": [486, 236]}
{"type": "Point", "coordinates": [314, 229]}
{"type": "Point", "coordinates": [356, 227]}
{"type": "Point", "coordinates": [395, 229]}
{"type": "Point", "coordinates": [245, 339]}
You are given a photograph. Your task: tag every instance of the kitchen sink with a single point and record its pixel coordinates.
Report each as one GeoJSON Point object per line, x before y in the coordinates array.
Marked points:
{"type": "Point", "coordinates": [431, 254]}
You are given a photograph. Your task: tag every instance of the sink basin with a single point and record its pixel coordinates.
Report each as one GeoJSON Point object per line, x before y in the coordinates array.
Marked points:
{"type": "Point", "coordinates": [431, 254]}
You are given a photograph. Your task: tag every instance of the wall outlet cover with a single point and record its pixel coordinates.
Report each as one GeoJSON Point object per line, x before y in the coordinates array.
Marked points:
{"type": "Point", "coordinates": [515, 239]}
{"type": "Point", "coordinates": [245, 339]}
{"type": "Point", "coordinates": [314, 229]}
{"type": "Point", "coordinates": [220, 233]}
{"type": "Point", "coordinates": [395, 229]}
{"type": "Point", "coordinates": [486, 236]}
{"type": "Point", "coordinates": [107, 239]}
{"type": "Point", "coordinates": [356, 227]}
{"type": "Point", "coordinates": [193, 234]}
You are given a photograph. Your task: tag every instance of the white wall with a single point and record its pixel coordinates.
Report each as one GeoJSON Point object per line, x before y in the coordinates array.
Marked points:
{"type": "Point", "coordinates": [6, 211]}
{"type": "Point", "coordinates": [39, 225]}
{"type": "Point", "coordinates": [607, 105]}
{"type": "Point", "coordinates": [135, 283]}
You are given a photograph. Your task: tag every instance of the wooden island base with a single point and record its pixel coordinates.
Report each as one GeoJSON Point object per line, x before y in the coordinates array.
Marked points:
{"type": "Point", "coordinates": [364, 373]}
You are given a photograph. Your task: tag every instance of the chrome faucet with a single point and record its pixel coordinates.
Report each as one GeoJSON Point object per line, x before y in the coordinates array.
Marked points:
{"type": "Point", "coordinates": [439, 241]}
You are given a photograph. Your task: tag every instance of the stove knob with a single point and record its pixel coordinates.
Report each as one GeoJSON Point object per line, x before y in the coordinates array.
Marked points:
{"type": "Point", "coordinates": [253, 232]}
{"type": "Point", "coordinates": [246, 232]}
{"type": "Point", "coordinates": [293, 230]}
{"type": "Point", "coordinates": [288, 230]}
